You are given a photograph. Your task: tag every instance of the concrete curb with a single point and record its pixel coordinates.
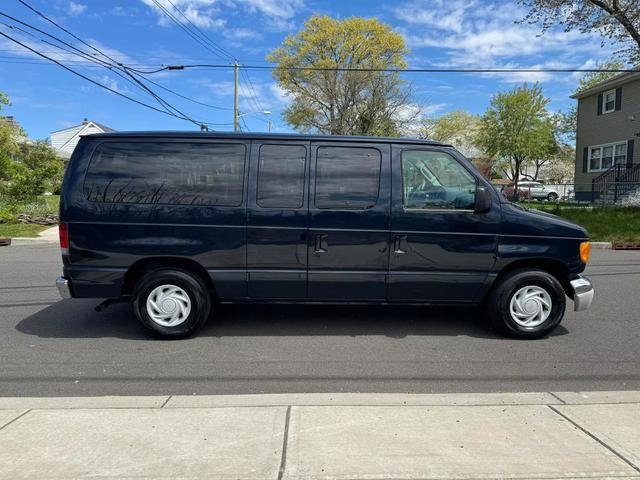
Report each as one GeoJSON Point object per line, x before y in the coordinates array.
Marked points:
{"type": "Point", "coordinates": [602, 245]}
{"type": "Point", "coordinates": [322, 399]}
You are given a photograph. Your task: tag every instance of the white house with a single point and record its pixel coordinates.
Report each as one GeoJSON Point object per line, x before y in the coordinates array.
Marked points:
{"type": "Point", "coordinates": [65, 141]}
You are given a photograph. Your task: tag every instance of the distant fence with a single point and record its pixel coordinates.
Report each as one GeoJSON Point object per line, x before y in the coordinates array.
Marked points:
{"type": "Point", "coordinates": [613, 194]}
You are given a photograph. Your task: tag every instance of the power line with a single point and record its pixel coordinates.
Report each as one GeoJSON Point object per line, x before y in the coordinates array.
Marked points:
{"type": "Point", "coordinates": [409, 70]}
{"type": "Point", "coordinates": [57, 39]}
{"type": "Point", "coordinates": [84, 55]}
{"type": "Point", "coordinates": [42, 15]}
{"type": "Point", "coordinates": [74, 50]}
{"type": "Point", "coordinates": [185, 29]}
{"type": "Point", "coordinates": [113, 68]}
{"type": "Point", "coordinates": [8, 37]}
{"type": "Point", "coordinates": [252, 90]}
{"type": "Point", "coordinates": [203, 34]}
{"type": "Point", "coordinates": [187, 98]}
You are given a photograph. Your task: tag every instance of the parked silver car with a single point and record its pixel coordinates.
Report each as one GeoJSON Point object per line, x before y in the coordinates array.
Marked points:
{"type": "Point", "coordinates": [533, 190]}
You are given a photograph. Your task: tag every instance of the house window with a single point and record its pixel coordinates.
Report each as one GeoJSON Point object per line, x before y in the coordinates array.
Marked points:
{"type": "Point", "coordinates": [609, 101]}
{"type": "Point", "coordinates": [603, 157]}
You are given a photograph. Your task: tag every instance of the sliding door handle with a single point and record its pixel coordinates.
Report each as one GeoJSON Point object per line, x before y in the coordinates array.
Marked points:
{"type": "Point", "coordinates": [320, 243]}
{"type": "Point", "coordinates": [397, 244]}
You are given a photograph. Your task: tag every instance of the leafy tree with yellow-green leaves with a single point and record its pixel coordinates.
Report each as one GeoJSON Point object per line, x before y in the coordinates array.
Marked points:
{"type": "Point", "coordinates": [517, 130]}
{"type": "Point", "coordinates": [458, 128]}
{"type": "Point", "coordinates": [355, 101]}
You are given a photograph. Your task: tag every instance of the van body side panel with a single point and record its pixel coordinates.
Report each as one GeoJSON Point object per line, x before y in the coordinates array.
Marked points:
{"type": "Point", "coordinates": [535, 235]}
{"type": "Point", "coordinates": [277, 234]}
{"type": "Point", "coordinates": [109, 237]}
{"type": "Point", "coordinates": [348, 247]}
{"type": "Point", "coordinates": [444, 256]}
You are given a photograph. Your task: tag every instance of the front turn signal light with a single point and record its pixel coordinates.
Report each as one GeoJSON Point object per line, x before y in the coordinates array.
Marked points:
{"type": "Point", "coordinates": [585, 251]}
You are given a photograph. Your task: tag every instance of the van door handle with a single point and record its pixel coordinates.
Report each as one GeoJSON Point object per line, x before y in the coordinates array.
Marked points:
{"type": "Point", "coordinates": [397, 244]}
{"type": "Point", "coordinates": [320, 243]}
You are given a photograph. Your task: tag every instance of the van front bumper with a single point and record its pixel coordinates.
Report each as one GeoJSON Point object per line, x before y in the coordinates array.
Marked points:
{"type": "Point", "coordinates": [64, 287]}
{"type": "Point", "coordinates": [582, 293]}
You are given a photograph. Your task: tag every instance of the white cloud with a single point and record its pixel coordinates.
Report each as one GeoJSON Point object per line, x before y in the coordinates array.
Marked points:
{"type": "Point", "coordinates": [279, 94]}
{"type": "Point", "coordinates": [284, 9]}
{"type": "Point", "coordinates": [433, 108]}
{"type": "Point", "coordinates": [207, 13]}
{"type": "Point", "coordinates": [240, 34]}
{"type": "Point", "coordinates": [74, 9]}
{"type": "Point", "coordinates": [415, 13]}
{"type": "Point", "coordinates": [113, 84]}
{"type": "Point", "coordinates": [475, 34]}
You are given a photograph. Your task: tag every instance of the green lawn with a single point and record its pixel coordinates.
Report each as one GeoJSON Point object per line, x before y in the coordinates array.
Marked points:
{"type": "Point", "coordinates": [9, 211]}
{"type": "Point", "coordinates": [604, 224]}
{"type": "Point", "coordinates": [20, 230]}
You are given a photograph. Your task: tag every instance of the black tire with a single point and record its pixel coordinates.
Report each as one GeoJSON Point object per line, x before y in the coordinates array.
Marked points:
{"type": "Point", "coordinates": [552, 197]}
{"type": "Point", "coordinates": [199, 299]}
{"type": "Point", "coordinates": [499, 303]}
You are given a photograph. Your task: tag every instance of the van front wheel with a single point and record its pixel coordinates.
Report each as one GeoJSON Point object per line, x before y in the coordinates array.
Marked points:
{"type": "Point", "coordinates": [171, 303]}
{"type": "Point", "coordinates": [526, 304]}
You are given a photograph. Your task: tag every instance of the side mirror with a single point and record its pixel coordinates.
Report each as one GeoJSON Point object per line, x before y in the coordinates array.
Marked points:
{"type": "Point", "coordinates": [483, 200]}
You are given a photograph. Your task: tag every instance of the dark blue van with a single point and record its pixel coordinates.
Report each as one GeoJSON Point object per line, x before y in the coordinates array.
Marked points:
{"type": "Point", "coordinates": [178, 222]}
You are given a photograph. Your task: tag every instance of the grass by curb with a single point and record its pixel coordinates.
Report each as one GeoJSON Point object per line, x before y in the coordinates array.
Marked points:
{"type": "Point", "coordinates": [12, 230]}
{"type": "Point", "coordinates": [603, 224]}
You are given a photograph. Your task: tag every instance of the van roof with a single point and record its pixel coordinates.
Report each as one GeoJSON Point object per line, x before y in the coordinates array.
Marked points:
{"type": "Point", "coordinates": [262, 136]}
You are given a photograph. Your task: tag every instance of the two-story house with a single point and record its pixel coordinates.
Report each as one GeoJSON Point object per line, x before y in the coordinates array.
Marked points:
{"type": "Point", "coordinates": [607, 164]}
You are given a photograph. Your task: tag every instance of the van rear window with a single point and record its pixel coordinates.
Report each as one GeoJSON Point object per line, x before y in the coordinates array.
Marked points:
{"type": "Point", "coordinates": [167, 173]}
{"type": "Point", "coordinates": [281, 176]}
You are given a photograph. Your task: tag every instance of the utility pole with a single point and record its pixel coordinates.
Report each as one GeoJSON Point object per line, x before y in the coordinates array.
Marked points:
{"type": "Point", "coordinates": [269, 126]}
{"type": "Point", "coordinates": [236, 116]}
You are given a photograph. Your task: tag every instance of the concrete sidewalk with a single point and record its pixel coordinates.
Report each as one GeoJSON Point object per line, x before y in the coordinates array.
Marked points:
{"type": "Point", "coordinates": [50, 235]}
{"type": "Point", "coordinates": [323, 436]}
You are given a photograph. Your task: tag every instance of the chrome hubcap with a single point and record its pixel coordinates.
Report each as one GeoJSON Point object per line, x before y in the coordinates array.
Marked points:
{"type": "Point", "coordinates": [168, 305]}
{"type": "Point", "coordinates": [530, 306]}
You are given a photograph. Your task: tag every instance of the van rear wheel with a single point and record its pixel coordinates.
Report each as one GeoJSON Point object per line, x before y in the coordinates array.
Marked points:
{"type": "Point", "coordinates": [171, 303]}
{"type": "Point", "coordinates": [526, 304]}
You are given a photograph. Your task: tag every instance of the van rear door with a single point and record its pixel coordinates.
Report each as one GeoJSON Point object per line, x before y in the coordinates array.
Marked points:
{"type": "Point", "coordinates": [349, 221]}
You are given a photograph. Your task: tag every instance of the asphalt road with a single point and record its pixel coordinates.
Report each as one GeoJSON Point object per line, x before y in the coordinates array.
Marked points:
{"type": "Point", "coordinates": [53, 347]}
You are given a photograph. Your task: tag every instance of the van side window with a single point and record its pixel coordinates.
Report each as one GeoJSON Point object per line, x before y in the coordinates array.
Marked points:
{"type": "Point", "coordinates": [435, 180]}
{"type": "Point", "coordinates": [347, 177]}
{"type": "Point", "coordinates": [167, 174]}
{"type": "Point", "coordinates": [281, 176]}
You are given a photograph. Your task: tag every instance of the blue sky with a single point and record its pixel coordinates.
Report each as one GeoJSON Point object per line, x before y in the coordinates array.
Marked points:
{"type": "Point", "coordinates": [438, 32]}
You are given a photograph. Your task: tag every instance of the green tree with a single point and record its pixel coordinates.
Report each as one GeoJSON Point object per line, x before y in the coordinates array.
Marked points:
{"type": "Point", "coordinates": [617, 20]}
{"type": "Point", "coordinates": [36, 169]}
{"type": "Point", "coordinates": [345, 102]}
{"type": "Point", "coordinates": [518, 131]}
{"type": "Point", "coordinates": [458, 128]}
{"type": "Point", "coordinates": [27, 168]}
{"type": "Point", "coordinates": [8, 144]}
